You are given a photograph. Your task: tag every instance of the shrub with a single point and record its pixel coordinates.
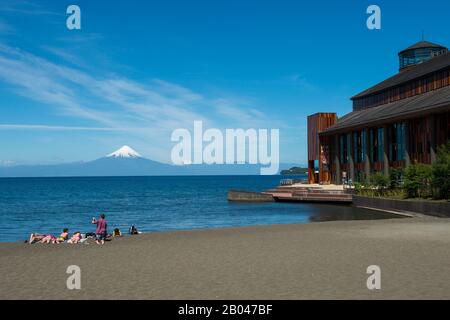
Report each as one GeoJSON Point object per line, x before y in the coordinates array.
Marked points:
{"type": "Point", "coordinates": [396, 178]}
{"type": "Point", "coordinates": [358, 187]}
{"type": "Point", "coordinates": [417, 180]}
{"type": "Point", "coordinates": [441, 173]}
{"type": "Point", "coordinates": [379, 180]}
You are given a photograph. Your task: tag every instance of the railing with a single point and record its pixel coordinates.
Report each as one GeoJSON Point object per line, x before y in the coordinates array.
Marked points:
{"type": "Point", "coordinates": [290, 182]}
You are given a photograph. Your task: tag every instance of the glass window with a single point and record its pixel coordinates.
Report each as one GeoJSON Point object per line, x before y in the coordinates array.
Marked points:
{"type": "Point", "coordinates": [348, 153]}
{"type": "Point", "coordinates": [380, 152]}
{"type": "Point", "coordinates": [363, 145]}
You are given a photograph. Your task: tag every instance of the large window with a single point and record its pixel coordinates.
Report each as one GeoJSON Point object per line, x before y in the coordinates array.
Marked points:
{"type": "Point", "coordinates": [420, 55]}
{"type": "Point", "coordinates": [344, 148]}
{"type": "Point", "coordinates": [397, 134]}
{"type": "Point", "coordinates": [376, 144]}
{"type": "Point", "coordinates": [349, 150]}
{"type": "Point", "coordinates": [359, 145]}
{"type": "Point", "coordinates": [380, 132]}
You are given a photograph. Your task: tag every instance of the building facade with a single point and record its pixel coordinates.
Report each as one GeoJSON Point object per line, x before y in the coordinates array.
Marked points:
{"type": "Point", "coordinates": [399, 121]}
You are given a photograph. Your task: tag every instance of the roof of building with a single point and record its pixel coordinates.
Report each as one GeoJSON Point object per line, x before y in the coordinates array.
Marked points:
{"type": "Point", "coordinates": [422, 45]}
{"type": "Point", "coordinates": [420, 70]}
{"type": "Point", "coordinates": [403, 109]}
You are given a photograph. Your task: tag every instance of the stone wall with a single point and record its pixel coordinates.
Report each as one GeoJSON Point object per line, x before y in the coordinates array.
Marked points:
{"type": "Point", "coordinates": [245, 196]}
{"type": "Point", "coordinates": [431, 208]}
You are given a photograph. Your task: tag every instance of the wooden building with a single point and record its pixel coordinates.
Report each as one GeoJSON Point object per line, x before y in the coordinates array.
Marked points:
{"type": "Point", "coordinates": [317, 152]}
{"type": "Point", "coordinates": [394, 123]}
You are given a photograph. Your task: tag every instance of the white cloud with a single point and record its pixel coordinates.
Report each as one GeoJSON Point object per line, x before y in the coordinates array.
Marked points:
{"type": "Point", "coordinates": [25, 7]}
{"type": "Point", "coordinates": [301, 81]}
{"type": "Point", "coordinates": [56, 128]}
{"type": "Point", "coordinates": [7, 163]}
{"type": "Point", "coordinates": [146, 111]}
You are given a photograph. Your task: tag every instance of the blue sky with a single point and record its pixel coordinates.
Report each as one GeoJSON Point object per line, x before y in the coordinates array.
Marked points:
{"type": "Point", "coordinates": [140, 69]}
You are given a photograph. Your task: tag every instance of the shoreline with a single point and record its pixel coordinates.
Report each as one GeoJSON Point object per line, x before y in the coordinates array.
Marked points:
{"type": "Point", "coordinates": [325, 260]}
{"type": "Point", "coordinates": [126, 235]}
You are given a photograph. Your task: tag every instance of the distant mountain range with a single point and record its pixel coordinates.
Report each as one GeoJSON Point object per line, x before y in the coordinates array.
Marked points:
{"type": "Point", "coordinates": [127, 162]}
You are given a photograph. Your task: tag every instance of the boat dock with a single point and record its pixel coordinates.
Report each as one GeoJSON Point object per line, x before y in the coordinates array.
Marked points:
{"type": "Point", "coordinates": [296, 193]}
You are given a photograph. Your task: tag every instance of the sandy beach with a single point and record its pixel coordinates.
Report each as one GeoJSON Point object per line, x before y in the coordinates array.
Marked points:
{"type": "Point", "coordinates": [313, 261]}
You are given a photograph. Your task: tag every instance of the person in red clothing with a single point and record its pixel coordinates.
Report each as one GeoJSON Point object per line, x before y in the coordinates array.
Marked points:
{"type": "Point", "coordinates": [101, 230]}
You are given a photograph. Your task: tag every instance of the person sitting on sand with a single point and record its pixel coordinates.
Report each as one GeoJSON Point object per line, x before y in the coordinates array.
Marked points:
{"type": "Point", "coordinates": [75, 238]}
{"type": "Point", "coordinates": [133, 230]}
{"type": "Point", "coordinates": [117, 233]}
{"type": "Point", "coordinates": [63, 236]}
{"type": "Point", "coordinates": [101, 231]}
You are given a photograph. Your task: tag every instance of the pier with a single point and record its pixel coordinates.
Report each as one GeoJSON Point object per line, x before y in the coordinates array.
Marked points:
{"type": "Point", "coordinates": [296, 193]}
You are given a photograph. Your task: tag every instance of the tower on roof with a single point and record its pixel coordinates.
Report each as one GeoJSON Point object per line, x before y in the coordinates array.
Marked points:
{"type": "Point", "coordinates": [418, 53]}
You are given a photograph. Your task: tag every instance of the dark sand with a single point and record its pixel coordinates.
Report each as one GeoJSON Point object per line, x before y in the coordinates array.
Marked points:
{"type": "Point", "coordinates": [314, 261]}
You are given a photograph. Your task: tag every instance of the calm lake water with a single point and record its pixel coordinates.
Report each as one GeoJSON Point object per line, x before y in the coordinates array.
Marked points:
{"type": "Point", "coordinates": [46, 205]}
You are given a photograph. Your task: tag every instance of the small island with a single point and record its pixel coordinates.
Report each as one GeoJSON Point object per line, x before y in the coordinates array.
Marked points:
{"type": "Point", "coordinates": [294, 171]}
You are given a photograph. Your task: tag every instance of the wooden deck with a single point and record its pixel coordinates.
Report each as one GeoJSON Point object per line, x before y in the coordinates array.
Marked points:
{"type": "Point", "coordinates": [305, 194]}
{"type": "Point", "coordinates": [294, 194]}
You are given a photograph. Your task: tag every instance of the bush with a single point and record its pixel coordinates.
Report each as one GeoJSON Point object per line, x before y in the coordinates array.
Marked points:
{"type": "Point", "coordinates": [396, 178]}
{"type": "Point", "coordinates": [358, 187]}
{"type": "Point", "coordinates": [441, 173]}
{"type": "Point", "coordinates": [379, 180]}
{"type": "Point", "coordinates": [417, 180]}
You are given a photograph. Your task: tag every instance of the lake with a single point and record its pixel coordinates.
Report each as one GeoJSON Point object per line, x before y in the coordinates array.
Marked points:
{"type": "Point", "coordinates": [47, 205]}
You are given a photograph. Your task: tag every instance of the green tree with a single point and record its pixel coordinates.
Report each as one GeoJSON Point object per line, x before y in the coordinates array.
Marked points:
{"type": "Point", "coordinates": [417, 180]}
{"type": "Point", "coordinates": [441, 173]}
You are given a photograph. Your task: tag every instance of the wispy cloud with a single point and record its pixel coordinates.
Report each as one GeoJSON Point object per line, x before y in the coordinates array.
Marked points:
{"type": "Point", "coordinates": [65, 55]}
{"type": "Point", "coordinates": [300, 80]}
{"type": "Point", "coordinates": [7, 163]}
{"type": "Point", "coordinates": [25, 7]}
{"type": "Point", "coordinates": [56, 128]}
{"type": "Point", "coordinates": [147, 110]}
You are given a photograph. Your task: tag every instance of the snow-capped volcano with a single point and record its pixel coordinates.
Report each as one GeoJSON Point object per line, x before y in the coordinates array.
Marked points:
{"type": "Point", "coordinates": [125, 152]}
{"type": "Point", "coordinates": [124, 162]}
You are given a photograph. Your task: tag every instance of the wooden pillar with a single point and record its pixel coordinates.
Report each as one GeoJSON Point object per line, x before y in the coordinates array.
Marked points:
{"type": "Point", "coordinates": [311, 178]}
{"type": "Point", "coordinates": [386, 150]}
{"type": "Point", "coordinates": [337, 162]}
{"type": "Point", "coordinates": [352, 159]}
{"type": "Point", "coordinates": [367, 153]}
{"type": "Point", "coordinates": [432, 132]}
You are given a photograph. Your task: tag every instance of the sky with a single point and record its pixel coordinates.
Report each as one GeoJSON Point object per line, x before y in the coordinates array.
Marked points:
{"type": "Point", "coordinates": [137, 70]}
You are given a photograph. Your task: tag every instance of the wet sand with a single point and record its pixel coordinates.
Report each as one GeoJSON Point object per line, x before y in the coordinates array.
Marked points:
{"type": "Point", "coordinates": [314, 261]}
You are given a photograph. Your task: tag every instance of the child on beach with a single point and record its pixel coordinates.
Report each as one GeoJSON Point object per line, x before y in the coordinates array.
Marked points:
{"type": "Point", "coordinates": [117, 233]}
